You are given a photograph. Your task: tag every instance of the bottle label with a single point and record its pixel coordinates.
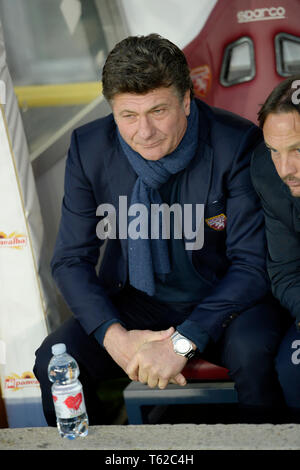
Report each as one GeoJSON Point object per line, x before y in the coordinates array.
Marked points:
{"type": "Point", "coordinates": [69, 405]}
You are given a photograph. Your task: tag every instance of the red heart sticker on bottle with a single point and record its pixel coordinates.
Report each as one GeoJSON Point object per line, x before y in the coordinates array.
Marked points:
{"type": "Point", "coordinates": [74, 402]}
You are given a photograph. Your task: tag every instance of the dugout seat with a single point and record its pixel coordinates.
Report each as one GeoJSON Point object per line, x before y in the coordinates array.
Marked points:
{"type": "Point", "coordinates": [207, 384]}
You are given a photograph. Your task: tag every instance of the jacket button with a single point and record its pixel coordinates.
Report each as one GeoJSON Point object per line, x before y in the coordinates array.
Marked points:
{"type": "Point", "coordinates": [120, 285]}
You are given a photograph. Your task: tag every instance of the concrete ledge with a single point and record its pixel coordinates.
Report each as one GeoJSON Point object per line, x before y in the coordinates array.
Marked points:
{"type": "Point", "coordinates": [159, 437]}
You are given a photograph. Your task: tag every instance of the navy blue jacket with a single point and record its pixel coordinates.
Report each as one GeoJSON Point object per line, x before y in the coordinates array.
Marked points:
{"type": "Point", "coordinates": [232, 261]}
{"type": "Point", "coordinates": [282, 215]}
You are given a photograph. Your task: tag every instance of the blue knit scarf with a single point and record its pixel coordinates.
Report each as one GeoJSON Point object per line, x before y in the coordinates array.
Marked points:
{"type": "Point", "coordinates": [149, 256]}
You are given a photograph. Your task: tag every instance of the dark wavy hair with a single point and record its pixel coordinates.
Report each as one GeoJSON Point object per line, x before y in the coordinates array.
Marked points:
{"type": "Point", "coordinates": [281, 99]}
{"type": "Point", "coordinates": [139, 64]}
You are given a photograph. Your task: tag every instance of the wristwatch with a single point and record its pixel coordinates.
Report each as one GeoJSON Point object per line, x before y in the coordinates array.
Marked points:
{"type": "Point", "coordinates": [182, 345]}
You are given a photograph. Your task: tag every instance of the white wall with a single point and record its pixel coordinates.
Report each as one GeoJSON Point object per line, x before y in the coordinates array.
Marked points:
{"type": "Point", "coordinates": [178, 20]}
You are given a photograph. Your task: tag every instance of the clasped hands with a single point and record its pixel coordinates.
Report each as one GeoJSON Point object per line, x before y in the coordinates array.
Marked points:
{"type": "Point", "coordinates": [146, 356]}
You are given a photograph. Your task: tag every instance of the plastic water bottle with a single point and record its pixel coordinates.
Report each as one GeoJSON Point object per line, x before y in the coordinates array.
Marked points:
{"type": "Point", "coordinates": [67, 393]}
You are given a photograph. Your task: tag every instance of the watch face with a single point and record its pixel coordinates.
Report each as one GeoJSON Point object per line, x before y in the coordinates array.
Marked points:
{"type": "Point", "coordinates": [182, 345]}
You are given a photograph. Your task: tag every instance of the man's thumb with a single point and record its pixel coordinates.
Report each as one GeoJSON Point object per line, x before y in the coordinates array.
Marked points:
{"type": "Point", "coordinates": [163, 334]}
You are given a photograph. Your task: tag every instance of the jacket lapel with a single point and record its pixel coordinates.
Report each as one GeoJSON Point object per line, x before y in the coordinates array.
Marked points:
{"type": "Point", "coordinates": [196, 182]}
{"type": "Point", "coordinates": [121, 179]}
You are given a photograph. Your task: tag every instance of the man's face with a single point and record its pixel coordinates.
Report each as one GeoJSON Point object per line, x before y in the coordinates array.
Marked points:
{"type": "Point", "coordinates": [282, 136]}
{"type": "Point", "coordinates": [154, 123]}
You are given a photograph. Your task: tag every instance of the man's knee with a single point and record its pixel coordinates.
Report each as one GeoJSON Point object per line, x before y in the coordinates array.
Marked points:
{"type": "Point", "coordinates": [64, 334]}
{"type": "Point", "coordinates": [246, 353]}
{"type": "Point", "coordinates": [287, 365]}
{"type": "Point", "coordinates": [253, 339]}
{"type": "Point", "coordinates": [288, 358]}
{"type": "Point", "coordinates": [42, 358]}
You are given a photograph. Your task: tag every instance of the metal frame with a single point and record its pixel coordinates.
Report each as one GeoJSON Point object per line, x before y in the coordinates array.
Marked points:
{"type": "Point", "coordinates": [226, 62]}
{"type": "Point", "coordinates": [137, 395]}
{"type": "Point", "coordinates": [278, 52]}
{"type": "Point", "coordinates": [86, 96]}
{"type": "Point", "coordinates": [115, 29]}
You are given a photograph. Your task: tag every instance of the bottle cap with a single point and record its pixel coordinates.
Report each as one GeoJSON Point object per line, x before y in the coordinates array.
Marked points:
{"type": "Point", "coordinates": [59, 348]}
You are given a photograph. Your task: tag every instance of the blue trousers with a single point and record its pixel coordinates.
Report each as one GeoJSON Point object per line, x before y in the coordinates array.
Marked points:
{"type": "Point", "coordinates": [259, 348]}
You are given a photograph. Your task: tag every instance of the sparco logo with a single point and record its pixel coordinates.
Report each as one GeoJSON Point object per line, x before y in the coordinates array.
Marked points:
{"type": "Point", "coordinates": [261, 14]}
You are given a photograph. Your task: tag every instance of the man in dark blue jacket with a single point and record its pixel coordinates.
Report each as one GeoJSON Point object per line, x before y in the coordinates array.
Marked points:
{"type": "Point", "coordinates": [276, 176]}
{"type": "Point", "coordinates": [159, 299]}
